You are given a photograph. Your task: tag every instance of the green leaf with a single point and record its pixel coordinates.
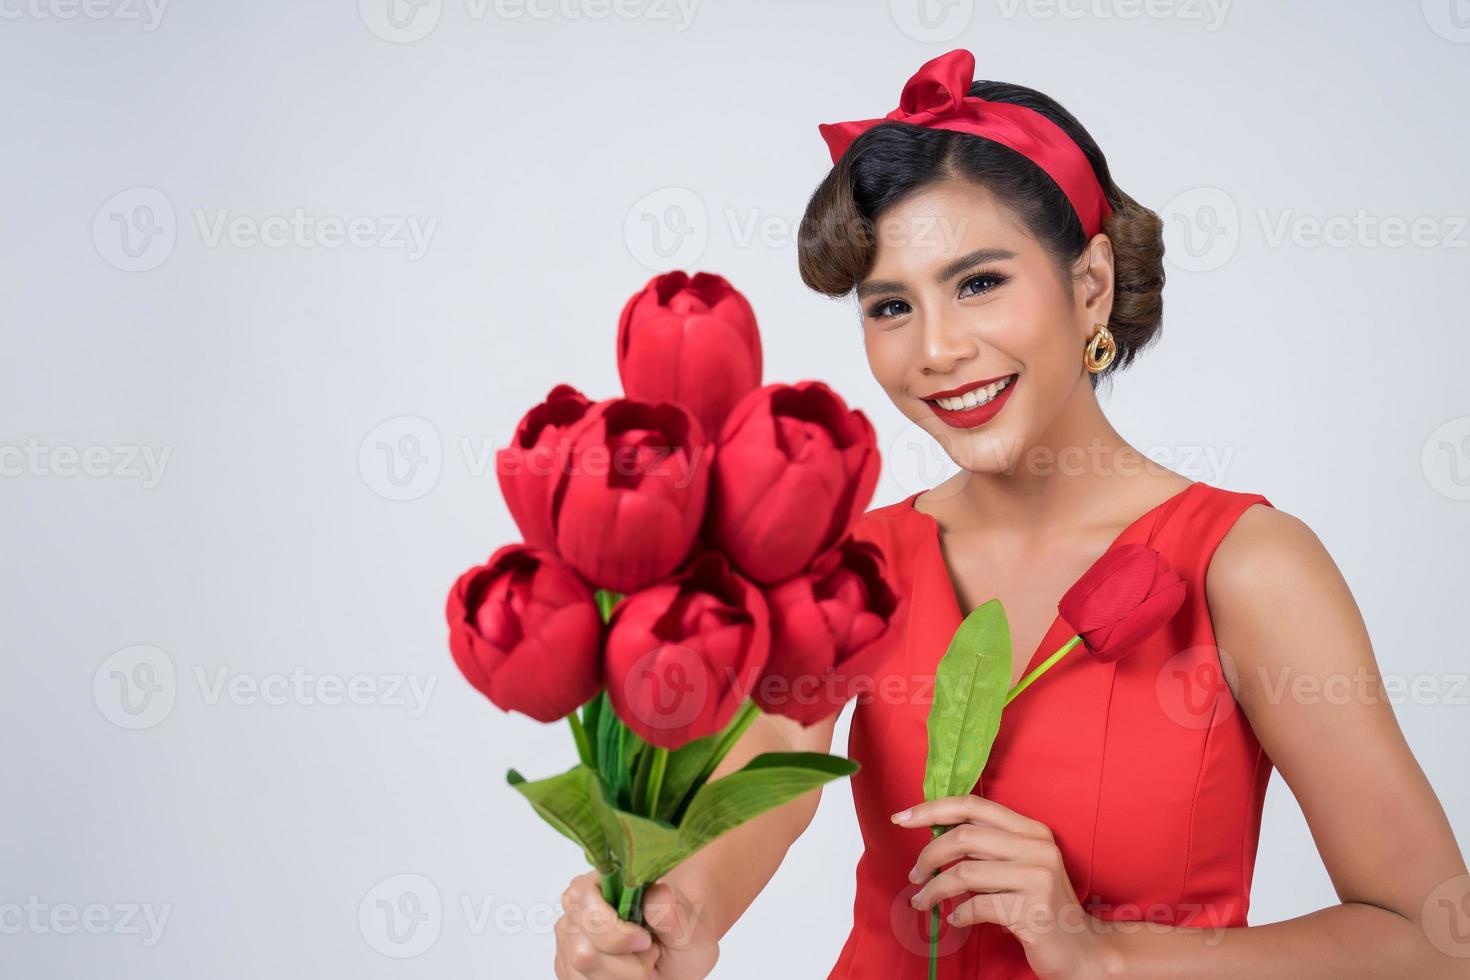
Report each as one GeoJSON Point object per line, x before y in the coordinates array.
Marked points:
{"type": "Point", "coordinates": [570, 803]}
{"type": "Point", "coordinates": [970, 687]}
{"type": "Point", "coordinates": [643, 849]}
{"type": "Point", "coordinates": [762, 784]}
{"type": "Point", "coordinates": [685, 765]}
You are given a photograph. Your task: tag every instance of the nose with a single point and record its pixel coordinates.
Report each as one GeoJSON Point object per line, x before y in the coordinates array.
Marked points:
{"type": "Point", "coordinates": [947, 342]}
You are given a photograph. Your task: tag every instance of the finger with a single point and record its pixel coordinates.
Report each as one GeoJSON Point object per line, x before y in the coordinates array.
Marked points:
{"type": "Point", "coordinates": [611, 934]}
{"type": "Point", "coordinates": [952, 810]}
{"type": "Point", "coordinates": [668, 914]}
{"type": "Point", "coordinates": [972, 840]}
{"type": "Point", "coordinates": [599, 921]}
{"type": "Point", "coordinates": [1006, 909]}
{"type": "Point", "coordinates": [982, 876]}
{"type": "Point", "coordinates": [583, 890]}
{"type": "Point", "coordinates": [564, 931]}
{"type": "Point", "coordinates": [585, 961]}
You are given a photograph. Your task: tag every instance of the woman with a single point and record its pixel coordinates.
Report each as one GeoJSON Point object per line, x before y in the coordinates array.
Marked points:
{"type": "Point", "coordinates": [1002, 274]}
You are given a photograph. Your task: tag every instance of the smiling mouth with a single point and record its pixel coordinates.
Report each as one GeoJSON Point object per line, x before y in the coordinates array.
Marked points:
{"type": "Point", "coordinates": [972, 395]}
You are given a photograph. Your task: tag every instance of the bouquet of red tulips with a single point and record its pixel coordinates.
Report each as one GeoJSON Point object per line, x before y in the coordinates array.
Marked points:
{"type": "Point", "coordinates": [687, 563]}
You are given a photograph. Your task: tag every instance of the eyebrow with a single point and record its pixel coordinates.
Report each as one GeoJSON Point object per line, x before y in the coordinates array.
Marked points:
{"type": "Point", "coordinates": [870, 286]}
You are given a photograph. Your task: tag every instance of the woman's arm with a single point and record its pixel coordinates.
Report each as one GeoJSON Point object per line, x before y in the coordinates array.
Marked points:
{"type": "Point", "coordinates": [724, 877]}
{"type": "Point", "coordinates": [1306, 677]}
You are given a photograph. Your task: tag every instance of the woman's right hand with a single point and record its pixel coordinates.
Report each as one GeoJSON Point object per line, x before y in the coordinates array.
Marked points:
{"type": "Point", "coordinates": [592, 943]}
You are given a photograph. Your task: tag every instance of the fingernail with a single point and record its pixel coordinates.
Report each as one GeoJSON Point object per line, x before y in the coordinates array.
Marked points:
{"type": "Point", "coordinates": [641, 942]}
{"type": "Point", "coordinates": [916, 902]}
{"type": "Point", "coordinates": [914, 875]}
{"type": "Point", "coordinates": [901, 815]}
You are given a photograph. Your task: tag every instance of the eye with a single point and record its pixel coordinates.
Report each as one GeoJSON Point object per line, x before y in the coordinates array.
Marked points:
{"type": "Point", "coordinates": [980, 283]}
{"type": "Point", "coordinates": [886, 309]}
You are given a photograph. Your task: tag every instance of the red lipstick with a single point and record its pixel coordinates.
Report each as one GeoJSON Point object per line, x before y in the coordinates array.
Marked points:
{"type": "Point", "coordinates": [969, 418]}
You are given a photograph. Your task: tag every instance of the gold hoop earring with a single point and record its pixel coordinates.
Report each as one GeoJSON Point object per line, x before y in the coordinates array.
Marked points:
{"type": "Point", "coordinates": [1101, 349]}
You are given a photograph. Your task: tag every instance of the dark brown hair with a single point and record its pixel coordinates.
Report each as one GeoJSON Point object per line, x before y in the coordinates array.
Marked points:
{"type": "Point", "coordinates": [836, 245]}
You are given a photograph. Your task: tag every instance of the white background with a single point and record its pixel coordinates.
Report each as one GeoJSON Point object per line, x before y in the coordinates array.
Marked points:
{"type": "Point", "coordinates": [321, 415]}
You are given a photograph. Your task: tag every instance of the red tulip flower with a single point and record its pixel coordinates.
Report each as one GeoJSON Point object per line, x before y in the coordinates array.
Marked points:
{"type": "Point", "coordinates": [795, 469]}
{"type": "Point", "coordinates": [1128, 594]}
{"type": "Point", "coordinates": [527, 467]}
{"type": "Point", "coordinates": [693, 342]}
{"type": "Point", "coordinates": [827, 625]}
{"type": "Point", "coordinates": [630, 493]}
{"type": "Point", "coordinates": [682, 655]}
{"type": "Point", "coordinates": [525, 631]}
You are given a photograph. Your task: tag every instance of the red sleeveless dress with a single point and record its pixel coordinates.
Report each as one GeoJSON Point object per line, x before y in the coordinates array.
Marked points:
{"type": "Point", "coordinates": [1145, 769]}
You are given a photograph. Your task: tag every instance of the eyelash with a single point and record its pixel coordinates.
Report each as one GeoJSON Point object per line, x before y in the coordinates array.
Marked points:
{"type": "Point", "coordinates": [996, 279]}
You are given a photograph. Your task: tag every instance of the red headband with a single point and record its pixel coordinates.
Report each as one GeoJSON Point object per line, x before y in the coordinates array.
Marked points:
{"type": "Point", "coordinates": [936, 97]}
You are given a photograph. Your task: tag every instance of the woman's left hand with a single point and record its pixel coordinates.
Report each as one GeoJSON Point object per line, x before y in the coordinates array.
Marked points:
{"type": "Point", "coordinates": [1012, 865]}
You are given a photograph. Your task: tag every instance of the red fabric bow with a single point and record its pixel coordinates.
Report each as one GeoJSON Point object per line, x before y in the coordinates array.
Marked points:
{"type": "Point", "coordinates": [936, 97]}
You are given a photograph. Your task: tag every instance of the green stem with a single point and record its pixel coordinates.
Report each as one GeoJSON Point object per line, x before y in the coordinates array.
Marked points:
{"type": "Point", "coordinates": [934, 926]}
{"type": "Point", "coordinates": [743, 718]}
{"type": "Point", "coordinates": [579, 735]}
{"type": "Point", "coordinates": [1045, 665]}
{"type": "Point", "coordinates": [630, 904]}
{"type": "Point", "coordinates": [656, 779]}
{"type": "Point", "coordinates": [610, 887]}
{"type": "Point", "coordinates": [640, 779]}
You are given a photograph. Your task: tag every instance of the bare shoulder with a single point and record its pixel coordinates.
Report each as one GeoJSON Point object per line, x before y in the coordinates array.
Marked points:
{"type": "Point", "coordinates": [1264, 547]}
{"type": "Point", "coordinates": [1276, 596]}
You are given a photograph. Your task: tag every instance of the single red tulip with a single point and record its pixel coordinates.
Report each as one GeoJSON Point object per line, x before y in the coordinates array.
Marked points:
{"type": "Point", "coordinates": [632, 483]}
{"type": "Point", "coordinates": [684, 654]}
{"type": "Point", "coordinates": [795, 469]}
{"type": "Point", "coordinates": [526, 632]}
{"type": "Point", "coordinates": [828, 627]}
{"type": "Point", "coordinates": [527, 467]}
{"type": "Point", "coordinates": [1128, 594]}
{"type": "Point", "coordinates": [693, 342]}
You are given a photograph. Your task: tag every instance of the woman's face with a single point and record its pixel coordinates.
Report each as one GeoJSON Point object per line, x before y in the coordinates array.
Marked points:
{"type": "Point", "coordinates": [971, 328]}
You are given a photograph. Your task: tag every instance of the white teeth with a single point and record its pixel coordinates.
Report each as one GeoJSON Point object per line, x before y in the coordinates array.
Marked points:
{"type": "Point", "coordinates": [974, 397]}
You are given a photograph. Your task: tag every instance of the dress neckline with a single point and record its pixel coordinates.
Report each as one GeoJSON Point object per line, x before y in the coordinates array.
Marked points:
{"type": "Point", "coordinates": [952, 599]}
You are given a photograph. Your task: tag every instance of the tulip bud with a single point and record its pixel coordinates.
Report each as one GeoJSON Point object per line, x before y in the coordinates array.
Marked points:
{"type": "Point", "coordinates": [525, 631]}
{"type": "Point", "coordinates": [1129, 593]}
{"type": "Point", "coordinates": [693, 342]}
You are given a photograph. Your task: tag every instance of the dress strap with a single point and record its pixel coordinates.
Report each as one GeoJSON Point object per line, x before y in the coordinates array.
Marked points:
{"type": "Point", "coordinates": [1188, 532]}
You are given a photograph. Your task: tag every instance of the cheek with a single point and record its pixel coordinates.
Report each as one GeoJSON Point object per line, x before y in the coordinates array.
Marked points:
{"type": "Point", "coordinates": [1035, 335]}
{"type": "Point", "coordinates": [888, 359]}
